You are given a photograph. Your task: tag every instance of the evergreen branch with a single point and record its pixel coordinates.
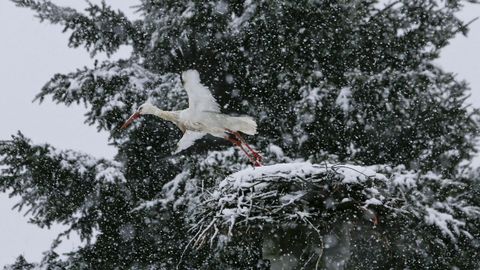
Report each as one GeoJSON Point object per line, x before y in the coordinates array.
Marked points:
{"type": "Point", "coordinates": [103, 30]}
{"type": "Point", "coordinates": [385, 9]}
{"type": "Point", "coordinates": [464, 27]}
{"type": "Point", "coordinates": [112, 90]}
{"type": "Point", "coordinates": [52, 184]}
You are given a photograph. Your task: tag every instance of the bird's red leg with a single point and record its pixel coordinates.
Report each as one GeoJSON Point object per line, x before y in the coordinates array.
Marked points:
{"type": "Point", "coordinates": [255, 154]}
{"type": "Point", "coordinates": [239, 144]}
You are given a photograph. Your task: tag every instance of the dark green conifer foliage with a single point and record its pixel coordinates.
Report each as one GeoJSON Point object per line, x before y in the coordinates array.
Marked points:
{"type": "Point", "coordinates": [337, 81]}
{"type": "Point", "coordinates": [20, 264]}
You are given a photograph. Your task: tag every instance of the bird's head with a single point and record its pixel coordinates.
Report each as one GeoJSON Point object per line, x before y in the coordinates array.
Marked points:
{"type": "Point", "coordinates": [145, 108]}
{"type": "Point", "coordinates": [190, 76]}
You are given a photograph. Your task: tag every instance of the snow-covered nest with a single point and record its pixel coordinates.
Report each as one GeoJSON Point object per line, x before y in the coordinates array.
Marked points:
{"type": "Point", "coordinates": [308, 194]}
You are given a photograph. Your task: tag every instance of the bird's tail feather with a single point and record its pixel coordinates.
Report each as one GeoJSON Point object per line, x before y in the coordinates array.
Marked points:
{"type": "Point", "coordinates": [244, 124]}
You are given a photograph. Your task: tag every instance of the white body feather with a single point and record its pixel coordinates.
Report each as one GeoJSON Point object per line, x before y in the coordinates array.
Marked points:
{"type": "Point", "coordinates": [202, 116]}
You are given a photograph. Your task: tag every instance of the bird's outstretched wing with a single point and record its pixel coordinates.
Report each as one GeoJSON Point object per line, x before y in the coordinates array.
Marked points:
{"type": "Point", "coordinates": [200, 98]}
{"type": "Point", "coordinates": [188, 139]}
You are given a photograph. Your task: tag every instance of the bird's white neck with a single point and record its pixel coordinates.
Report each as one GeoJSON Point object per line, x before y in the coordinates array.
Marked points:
{"type": "Point", "coordinates": [166, 115]}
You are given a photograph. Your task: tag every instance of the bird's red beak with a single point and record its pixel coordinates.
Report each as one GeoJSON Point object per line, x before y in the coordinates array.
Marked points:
{"type": "Point", "coordinates": [131, 119]}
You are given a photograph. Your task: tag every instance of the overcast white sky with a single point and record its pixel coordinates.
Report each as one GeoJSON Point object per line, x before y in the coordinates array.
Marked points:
{"type": "Point", "coordinates": [30, 53]}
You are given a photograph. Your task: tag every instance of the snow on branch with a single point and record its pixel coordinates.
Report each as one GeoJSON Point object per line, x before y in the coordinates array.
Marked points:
{"type": "Point", "coordinates": [114, 89]}
{"type": "Point", "coordinates": [103, 30]}
{"type": "Point", "coordinates": [238, 22]}
{"type": "Point", "coordinates": [168, 193]}
{"type": "Point", "coordinates": [53, 184]}
{"type": "Point", "coordinates": [81, 163]}
{"type": "Point", "coordinates": [311, 194]}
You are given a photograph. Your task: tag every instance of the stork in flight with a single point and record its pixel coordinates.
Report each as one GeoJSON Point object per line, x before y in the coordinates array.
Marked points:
{"type": "Point", "coordinates": [203, 117]}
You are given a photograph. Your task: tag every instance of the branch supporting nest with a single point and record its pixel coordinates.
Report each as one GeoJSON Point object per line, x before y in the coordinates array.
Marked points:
{"type": "Point", "coordinates": [278, 196]}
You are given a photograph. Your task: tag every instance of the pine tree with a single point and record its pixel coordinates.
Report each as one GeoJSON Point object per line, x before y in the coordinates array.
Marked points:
{"type": "Point", "coordinates": [20, 264]}
{"type": "Point", "coordinates": [330, 82]}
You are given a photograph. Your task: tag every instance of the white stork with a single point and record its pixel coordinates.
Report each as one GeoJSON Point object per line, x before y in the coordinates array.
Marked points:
{"type": "Point", "coordinates": [203, 117]}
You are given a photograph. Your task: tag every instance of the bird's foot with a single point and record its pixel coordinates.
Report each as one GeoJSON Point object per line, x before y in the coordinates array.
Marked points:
{"type": "Point", "coordinates": [258, 158]}
{"type": "Point", "coordinates": [255, 154]}
{"type": "Point", "coordinates": [233, 140]}
{"type": "Point", "coordinates": [238, 143]}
